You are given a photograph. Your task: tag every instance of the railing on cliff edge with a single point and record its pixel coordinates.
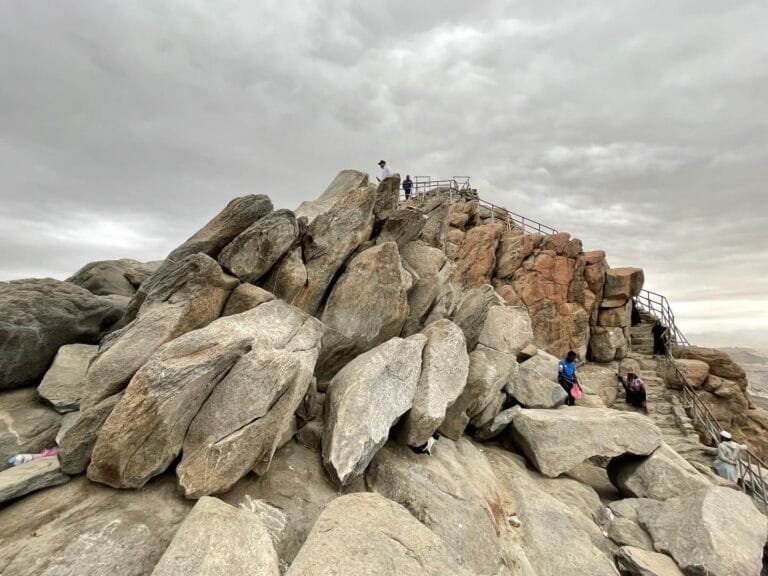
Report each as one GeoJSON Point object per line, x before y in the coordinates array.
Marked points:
{"type": "Point", "coordinates": [751, 468]}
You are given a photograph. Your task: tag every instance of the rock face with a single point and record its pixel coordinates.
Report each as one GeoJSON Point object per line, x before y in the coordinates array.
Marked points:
{"type": "Point", "coordinates": [330, 239]}
{"type": "Point", "coordinates": [85, 529]}
{"type": "Point", "coordinates": [715, 531]}
{"type": "Point", "coordinates": [477, 256]}
{"type": "Point", "coordinates": [41, 316]}
{"type": "Point", "coordinates": [720, 363]}
{"type": "Point", "coordinates": [662, 475]}
{"type": "Point", "coordinates": [363, 402]}
{"type": "Point", "coordinates": [184, 296]}
{"type": "Point", "coordinates": [473, 310]}
{"type": "Point", "coordinates": [35, 475]}
{"type": "Point", "coordinates": [431, 297]}
{"type": "Point", "coordinates": [368, 534]}
{"type": "Point", "coordinates": [345, 181]}
{"type": "Point", "coordinates": [217, 539]}
{"type": "Point", "coordinates": [245, 297]}
{"type": "Point", "coordinates": [401, 227]}
{"type": "Point", "coordinates": [454, 493]}
{"type": "Point", "coordinates": [63, 382]}
{"type": "Point", "coordinates": [171, 392]}
{"type": "Point", "coordinates": [77, 441]}
{"type": "Point", "coordinates": [444, 370]}
{"type": "Point", "coordinates": [695, 373]}
{"type": "Point", "coordinates": [255, 250]}
{"type": "Point", "coordinates": [26, 426]}
{"type": "Point", "coordinates": [107, 277]}
{"type": "Point", "coordinates": [367, 306]}
{"type": "Point", "coordinates": [536, 383]}
{"type": "Point", "coordinates": [555, 441]}
{"type": "Point", "coordinates": [638, 562]}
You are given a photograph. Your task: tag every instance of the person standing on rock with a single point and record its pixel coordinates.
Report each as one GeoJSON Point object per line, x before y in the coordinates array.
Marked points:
{"type": "Point", "coordinates": [566, 376]}
{"type": "Point", "coordinates": [634, 388]}
{"type": "Point", "coordinates": [385, 170]}
{"type": "Point", "coordinates": [407, 186]}
{"type": "Point", "coordinates": [726, 461]}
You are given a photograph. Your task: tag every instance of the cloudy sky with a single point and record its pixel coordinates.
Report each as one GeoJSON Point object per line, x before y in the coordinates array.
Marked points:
{"type": "Point", "coordinates": [640, 127]}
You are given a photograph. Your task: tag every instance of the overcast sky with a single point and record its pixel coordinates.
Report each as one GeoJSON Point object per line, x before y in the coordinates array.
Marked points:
{"type": "Point", "coordinates": [640, 127]}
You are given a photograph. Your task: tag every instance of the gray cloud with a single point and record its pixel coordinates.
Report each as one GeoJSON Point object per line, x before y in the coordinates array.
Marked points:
{"type": "Point", "coordinates": [639, 128]}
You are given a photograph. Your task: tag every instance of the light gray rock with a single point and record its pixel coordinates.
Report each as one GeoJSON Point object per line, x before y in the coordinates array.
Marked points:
{"type": "Point", "coordinates": [473, 310]}
{"type": "Point", "coordinates": [217, 539]}
{"type": "Point", "coordinates": [435, 227]}
{"type": "Point", "coordinates": [431, 297]}
{"type": "Point", "coordinates": [387, 197]}
{"type": "Point", "coordinates": [715, 531]}
{"type": "Point", "coordinates": [67, 421]}
{"type": "Point", "coordinates": [599, 381]}
{"type": "Point", "coordinates": [145, 432]}
{"type": "Point", "coordinates": [506, 329]}
{"type": "Point", "coordinates": [625, 532]}
{"type": "Point", "coordinates": [662, 475]}
{"type": "Point", "coordinates": [490, 411]}
{"type": "Point", "coordinates": [627, 507]}
{"type": "Point", "coordinates": [606, 344]}
{"type": "Point", "coordinates": [536, 383]}
{"type": "Point", "coordinates": [40, 316]}
{"type": "Point", "coordinates": [257, 248]}
{"type": "Point", "coordinates": [245, 297]}
{"type": "Point", "coordinates": [454, 493]}
{"type": "Point", "coordinates": [84, 529]}
{"type": "Point", "coordinates": [366, 307]}
{"type": "Point", "coordinates": [63, 382]}
{"type": "Point", "coordinates": [19, 481]}
{"type": "Point", "coordinates": [639, 562]}
{"type": "Point", "coordinates": [184, 296]}
{"type": "Point", "coordinates": [288, 277]}
{"type": "Point", "coordinates": [364, 400]}
{"type": "Point", "coordinates": [496, 426]}
{"type": "Point", "coordinates": [368, 534]}
{"type": "Point", "coordinates": [250, 412]}
{"type": "Point", "coordinates": [26, 425]}
{"type": "Point", "coordinates": [236, 216]}
{"type": "Point", "coordinates": [330, 239]}
{"type": "Point", "coordinates": [401, 227]}
{"type": "Point", "coordinates": [76, 442]}
{"type": "Point", "coordinates": [555, 441]}
{"type": "Point", "coordinates": [344, 182]}
{"type": "Point", "coordinates": [122, 277]}
{"type": "Point", "coordinates": [444, 371]}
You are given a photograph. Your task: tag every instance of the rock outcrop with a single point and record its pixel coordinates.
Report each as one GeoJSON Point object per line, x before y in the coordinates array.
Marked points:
{"type": "Point", "coordinates": [113, 277]}
{"type": "Point", "coordinates": [63, 383]}
{"type": "Point", "coordinates": [26, 426]}
{"type": "Point", "coordinates": [30, 477]}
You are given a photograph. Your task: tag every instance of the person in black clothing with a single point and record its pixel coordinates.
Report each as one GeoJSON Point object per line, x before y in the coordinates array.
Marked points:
{"type": "Point", "coordinates": [659, 339]}
{"type": "Point", "coordinates": [634, 387]}
{"type": "Point", "coordinates": [407, 186]}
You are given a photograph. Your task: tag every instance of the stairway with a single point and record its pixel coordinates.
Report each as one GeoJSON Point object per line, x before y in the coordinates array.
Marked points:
{"type": "Point", "coordinates": [641, 335]}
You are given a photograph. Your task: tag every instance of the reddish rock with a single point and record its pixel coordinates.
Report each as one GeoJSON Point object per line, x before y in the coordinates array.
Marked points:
{"type": "Point", "coordinates": [694, 371]}
{"type": "Point", "coordinates": [623, 282]}
{"type": "Point", "coordinates": [477, 256]}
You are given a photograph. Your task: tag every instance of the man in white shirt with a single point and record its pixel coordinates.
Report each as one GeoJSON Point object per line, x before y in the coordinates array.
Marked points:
{"type": "Point", "coordinates": [385, 171]}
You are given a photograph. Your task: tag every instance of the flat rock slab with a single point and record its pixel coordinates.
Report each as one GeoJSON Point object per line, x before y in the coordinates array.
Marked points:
{"type": "Point", "coordinates": [555, 441]}
{"type": "Point", "coordinates": [371, 535]}
{"type": "Point", "coordinates": [715, 531]}
{"type": "Point", "coordinates": [638, 562]}
{"type": "Point", "coordinates": [120, 277]}
{"type": "Point", "coordinates": [217, 539]}
{"type": "Point", "coordinates": [30, 477]}
{"type": "Point", "coordinates": [535, 385]}
{"type": "Point", "coordinates": [63, 383]}
{"type": "Point", "coordinates": [26, 425]}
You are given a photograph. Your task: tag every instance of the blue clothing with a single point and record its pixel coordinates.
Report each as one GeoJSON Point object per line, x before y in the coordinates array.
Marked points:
{"type": "Point", "coordinates": [566, 370]}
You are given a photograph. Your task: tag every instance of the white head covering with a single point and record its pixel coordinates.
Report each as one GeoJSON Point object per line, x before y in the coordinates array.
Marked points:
{"type": "Point", "coordinates": [725, 435]}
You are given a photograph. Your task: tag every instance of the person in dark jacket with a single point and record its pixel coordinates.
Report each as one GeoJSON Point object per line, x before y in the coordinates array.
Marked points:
{"type": "Point", "coordinates": [407, 186]}
{"type": "Point", "coordinates": [566, 375]}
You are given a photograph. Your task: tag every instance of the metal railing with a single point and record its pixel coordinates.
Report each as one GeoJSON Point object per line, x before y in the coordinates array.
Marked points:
{"type": "Point", "coordinates": [658, 306]}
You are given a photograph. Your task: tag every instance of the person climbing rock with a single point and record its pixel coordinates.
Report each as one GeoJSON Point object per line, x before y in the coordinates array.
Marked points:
{"type": "Point", "coordinates": [407, 186]}
{"type": "Point", "coordinates": [566, 376]}
{"type": "Point", "coordinates": [726, 461]}
{"type": "Point", "coordinates": [385, 170]}
{"type": "Point", "coordinates": [634, 387]}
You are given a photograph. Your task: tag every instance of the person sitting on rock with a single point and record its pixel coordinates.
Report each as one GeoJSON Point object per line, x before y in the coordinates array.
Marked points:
{"type": "Point", "coordinates": [634, 387]}
{"type": "Point", "coordinates": [726, 461]}
{"type": "Point", "coordinates": [407, 186]}
{"type": "Point", "coordinates": [566, 376]}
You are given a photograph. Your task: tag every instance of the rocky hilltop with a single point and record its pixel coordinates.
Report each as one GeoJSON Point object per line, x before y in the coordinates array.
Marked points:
{"type": "Point", "coordinates": [359, 386]}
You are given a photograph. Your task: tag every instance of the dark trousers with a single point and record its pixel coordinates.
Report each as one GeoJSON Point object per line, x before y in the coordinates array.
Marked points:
{"type": "Point", "coordinates": [635, 397]}
{"type": "Point", "coordinates": [407, 193]}
{"type": "Point", "coordinates": [567, 385]}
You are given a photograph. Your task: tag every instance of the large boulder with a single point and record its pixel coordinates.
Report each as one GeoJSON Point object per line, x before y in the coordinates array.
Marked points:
{"type": "Point", "coordinates": [344, 182]}
{"type": "Point", "coordinates": [536, 383]}
{"type": "Point", "coordinates": [401, 227]}
{"type": "Point", "coordinates": [472, 311]}
{"type": "Point", "coordinates": [29, 477]}
{"type": "Point", "coordinates": [607, 344]}
{"type": "Point", "coordinates": [638, 562]}
{"type": "Point", "coordinates": [715, 531]}
{"type": "Point", "coordinates": [364, 400]}
{"type": "Point", "coordinates": [255, 250]}
{"type": "Point", "coordinates": [476, 259]}
{"type": "Point", "coordinates": [288, 277]}
{"type": "Point", "coordinates": [245, 297]}
{"type": "Point", "coordinates": [120, 277]}
{"type": "Point", "coordinates": [243, 421]}
{"type": "Point", "coordinates": [555, 441]}
{"type": "Point", "coordinates": [431, 296]}
{"type": "Point", "coordinates": [63, 383]}
{"type": "Point", "coordinates": [26, 425]}
{"type": "Point", "coordinates": [37, 317]}
{"type": "Point", "coordinates": [85, 529]}
{"type": "Point", "coordinates": [599, 381]}
{"type": "Point", "coordinates": [77, 441]}
{"type": "Point", "coordinates": [506, 329]}
{"type": "Point", "coordinates": [369, 534]}
{"type": "Point", "coordinates": [454, 493]}
{"type": "Point", "coordinates": [720, 363]}
{"type": "Point", "coordinates": [694, 372]}
{"type": "Point", "coordinates": [217, 539]}
{"type": "Point", "coordinates": [662, 475]}
{"type": "Point", "coordinates": [623, 283]}
{"type": "Point", "coordinates": [444, 370]}
{"type": "Point", "coordinates": [387, 197]}
{"type": "Point", "coordinates": [329, 240]}
{"type": "Point", "coordinates": [144, 433]}
{"type": "Point", "coordinates": [184, 296]}
{"type": "Point", "coordinates": [436, 212]}
{"type": "Point", "coordinates": [368, 305]}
